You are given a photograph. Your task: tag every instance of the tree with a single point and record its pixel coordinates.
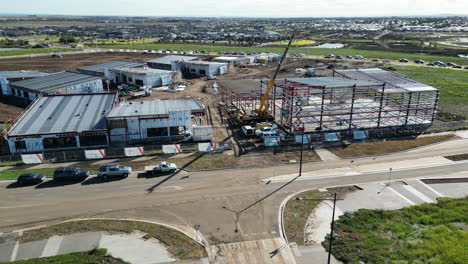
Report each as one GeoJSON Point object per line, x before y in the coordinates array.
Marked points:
{"type": "Point", "coordinates": [67, 39]}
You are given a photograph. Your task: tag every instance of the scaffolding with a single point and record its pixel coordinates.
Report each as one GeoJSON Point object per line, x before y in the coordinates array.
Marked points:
{"type": "Point", "coordinates": [383, 106]}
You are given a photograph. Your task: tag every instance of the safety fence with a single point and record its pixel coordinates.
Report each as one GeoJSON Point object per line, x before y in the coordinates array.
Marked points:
{"type": "Point", "coordinates": [111, 153]}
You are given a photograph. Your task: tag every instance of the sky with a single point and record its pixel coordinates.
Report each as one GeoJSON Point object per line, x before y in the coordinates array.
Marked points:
{"type": "Point", "coordinates": [237, 8]}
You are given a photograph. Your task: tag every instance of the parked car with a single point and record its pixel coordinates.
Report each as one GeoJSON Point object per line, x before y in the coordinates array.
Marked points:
{"type": "Point", "coordinates": [55, 55]}
{"type": "Point", "coordinates": [211, 77]}
{"type": "Point", "coordinates": [375, 60]}
{"type": "Point", "coordinates": [349, 57]}
{"type": "Point", "coordinates": [430, 64]}
{"type": "Point", "coordinates": [359, 57]}
{"type": "Point", "coordinates": [419, 61]}
{"type": "Point", "coordinates": [457, 67]}
{"type": "Point", "coordinates": [74, 174]}
{"type": "Point", "coordinates": [386, 61]}
{"type": "Point", "coordinates": [263, 130]}
{"type": "Point", "coordinates": [248, 131]}
{"type": "Point", "coordinates": [451, 64]}
{"type": "Point", "coordinates": [30, 178]}
{"type": "Point", "coordinates": [162, 167]}
{"type": "Point", "coordinates": [403, 60]}
{"type": "Point", "coordinates": [338, 57]}
{"type": "Point", "coordinates": [113, 170]}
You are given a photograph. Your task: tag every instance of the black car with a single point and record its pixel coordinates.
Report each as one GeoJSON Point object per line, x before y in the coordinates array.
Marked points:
{"type": "Point", "coordinates": [30, 178]}
{"type": "Point", "coordinates": [403, 60]}
{"type": "Point", "coordinates": [457, 67]}
{"type": "Point", "coordinates": [73, 174]}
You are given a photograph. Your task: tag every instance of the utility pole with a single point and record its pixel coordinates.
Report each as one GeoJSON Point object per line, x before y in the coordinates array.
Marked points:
{"type": "Point", "coordinates": [333, 219]}
{"type": "Point", "coordinates": [302, 151]}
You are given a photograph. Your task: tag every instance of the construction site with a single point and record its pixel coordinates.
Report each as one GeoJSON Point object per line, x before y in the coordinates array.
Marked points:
{"type": "Point", "coordinates": [353, 104]}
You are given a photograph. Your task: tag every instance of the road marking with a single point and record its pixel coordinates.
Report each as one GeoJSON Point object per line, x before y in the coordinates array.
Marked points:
{"type": "Point", "coordinates": [430, 188]}
{"type": "Point", "coordinates": [401, 195]}
{"type": "Point", "coordinates": [15, 249]}
{"type": "Point", "coordinates": [40, 194]}
{"type": "Point", "coordinates": [418, 194]}
{"type": "Point", "coordinates": [42, 217]}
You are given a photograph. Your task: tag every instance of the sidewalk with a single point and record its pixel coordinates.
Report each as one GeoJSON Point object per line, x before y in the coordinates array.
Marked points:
{"type": "Point", "coordinates": [129, 247]}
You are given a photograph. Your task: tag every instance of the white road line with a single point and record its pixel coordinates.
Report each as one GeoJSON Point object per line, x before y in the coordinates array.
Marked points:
{"type": "Point", "coordinates": [15, 249]}
{"type": "Point", "coordinates": [430, 188]}
{"type": "Point", "coordinates": [418, 194]}
{"type": "Point", "coordinates": [401, 195]}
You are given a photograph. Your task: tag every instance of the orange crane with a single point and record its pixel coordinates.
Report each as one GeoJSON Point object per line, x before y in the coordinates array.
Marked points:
{"type": "Point", "coordinates": [261, 113]}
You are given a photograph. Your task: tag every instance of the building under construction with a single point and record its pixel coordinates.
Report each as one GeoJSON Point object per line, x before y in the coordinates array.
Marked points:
{"type": "Point", "coordinates": [357, 104]}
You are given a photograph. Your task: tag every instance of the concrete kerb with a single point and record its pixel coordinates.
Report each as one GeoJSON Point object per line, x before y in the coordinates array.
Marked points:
{"type": "Point", "coordinates": [363, 173]}
{"type": "Point", "coordinates": [198, 235]}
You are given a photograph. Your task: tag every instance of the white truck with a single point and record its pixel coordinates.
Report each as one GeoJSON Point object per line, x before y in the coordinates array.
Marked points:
{"type": "Point", "coordinates": [142, 92]}
{"type": "Point", "coordinates": [162, 167]}
{"type": "Point", "coordinates": [199, 133]}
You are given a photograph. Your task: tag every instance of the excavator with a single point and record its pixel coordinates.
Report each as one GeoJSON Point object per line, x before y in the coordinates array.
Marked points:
{"type": "Point", "coordinates": [261, 113]}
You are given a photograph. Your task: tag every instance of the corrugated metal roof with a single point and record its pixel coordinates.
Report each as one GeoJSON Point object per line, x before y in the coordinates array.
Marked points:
{"type": "Point", "coordinates": [21, 74]}
{"type": "Point", "coordinates": [112, 64]}
{"type": "Point", "coordinates": [394, 83]}
{"type": "Point", "coordinates": [332, 82]}
{"type": "Point", "coordinates": [54, 114]}
{"type": "Point", "coordinates": [54, 81]}
{"type": "Point", "coordinates": [154, 108]}
{"type": "Point", "coordinates": [170, 58]}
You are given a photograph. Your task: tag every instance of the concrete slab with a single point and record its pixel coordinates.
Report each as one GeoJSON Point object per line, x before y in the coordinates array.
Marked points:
{"type": "Point", "coordinates": [79, 242]}
{"type": "Point", "coordinates": [424, 189]}
{"type": "Point", "coordinates": [252, 252]}
{"type": "Point", "coordinates": [402, 189]}
{"type": "Point", "coordinates": [373, 196]}
{"type": "Point", "coordinates": [52, 247]}
{"type": "Point", "coordinates": [457, 190]}
{"type": "Point", "coordinates": [135, 250]}
{"type": "Point", "coordinates": [7, 244]}
{"type": "Point", "coordinates": [31, 249]}
{"type": "Point", "coordinates": [314, 254]}
{"type": "Point", "coordinates": [325, 154]}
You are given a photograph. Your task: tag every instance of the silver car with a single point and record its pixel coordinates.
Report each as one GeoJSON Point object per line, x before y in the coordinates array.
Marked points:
{"type": "Point", "coordinates": [113, 170]}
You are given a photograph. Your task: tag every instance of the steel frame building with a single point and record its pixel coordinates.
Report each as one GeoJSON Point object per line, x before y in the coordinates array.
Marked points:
{"type": "Point", "coordinates": [376, 101]}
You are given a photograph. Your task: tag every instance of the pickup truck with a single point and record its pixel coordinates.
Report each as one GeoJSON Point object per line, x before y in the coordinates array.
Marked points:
{"type": "Point", "coordinates": [142, 92]}
{"type": "Point", "coordinates": [162, 167]}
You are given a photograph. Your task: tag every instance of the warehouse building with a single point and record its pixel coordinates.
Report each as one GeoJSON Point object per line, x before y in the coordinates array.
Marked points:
{"type": "Point", "coordinates": [11, 76]}
{"type": "Point", "coordinates": [200, 68]}
{"type": "Point", "coordinates": [57, 83]}
{"type": "Point", "coordinates": [233, 61]}
{"type": "Point", "coordinates": [56, 122]}
{"type": "Point", "coordinates": [153, 120]}
{"type": "Point", "coordinates": [100, 69]}
{"type": "Point", "coordinates": [142, 76]}
{"type": "Point", "coordinates": [165, 63]}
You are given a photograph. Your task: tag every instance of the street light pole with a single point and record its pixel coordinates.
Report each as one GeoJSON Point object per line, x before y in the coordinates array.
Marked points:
{"type": "Point", "coordinates": [302, 151]}
{"type": "Point", "coordinates": [333, 219]}
{"type": "Point", "coordinates": [331, 230]}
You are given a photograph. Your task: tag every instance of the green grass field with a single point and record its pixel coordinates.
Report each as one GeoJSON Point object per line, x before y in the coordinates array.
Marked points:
{"type": "Point", "coordinates": [33, 51]}
{"type": "Point", "coordinates": [97, 256]}
{"type": "Point", "coordinates": [453, 85]}
{"type": "Point", "coordinates": [13, 174]}
{"type": "Point", "coordinates": [307, 51]}
{"type": "Point", "coordinates": [426, 233]}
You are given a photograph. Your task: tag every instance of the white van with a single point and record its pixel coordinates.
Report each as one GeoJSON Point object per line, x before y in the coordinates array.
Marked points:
{"type": "Point", "coordinates": [248, 131]}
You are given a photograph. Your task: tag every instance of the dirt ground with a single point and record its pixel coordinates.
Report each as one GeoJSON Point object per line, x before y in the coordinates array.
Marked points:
{"type": "Point", "coordinates": [9, 112]}
{"type": "Point", "coordinates": [69, 62]}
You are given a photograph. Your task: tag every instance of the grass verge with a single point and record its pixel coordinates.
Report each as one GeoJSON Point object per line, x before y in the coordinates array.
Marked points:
{"type": "Point", "coordinates": [176, 243]}
{"type": "Point", "coordinates": [383, 147]}
{"type": "Point", "coordinates": [426, 233]}
{"type": "Point", "coordinates": [34, 51]}
{"type": "Point", "coordinates": [13, 174]}
{"type": "Point", "coordinates": [297, 212]}
{"type": "Point", "coordinates": [94, 256]}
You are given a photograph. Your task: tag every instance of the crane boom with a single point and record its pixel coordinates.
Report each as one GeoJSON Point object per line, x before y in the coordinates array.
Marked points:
{"type": "Point", "coordinates": [261, 109]}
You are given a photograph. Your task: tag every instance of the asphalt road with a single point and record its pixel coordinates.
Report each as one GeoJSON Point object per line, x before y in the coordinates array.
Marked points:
{"type": "Point", "coordinates": [230, 205]}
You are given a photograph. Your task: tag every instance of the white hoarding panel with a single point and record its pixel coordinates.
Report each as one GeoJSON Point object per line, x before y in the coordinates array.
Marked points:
{"type": "Point", "coordinates": [175, 148]}
{"type": "Point", "coordinates": [133, 152]}
{"type": "Point", "coordinates": [95, 154]}
{"type": "Point", "coordinates": [32, 158]}
{"type": "Point", "coordinates": [272, 141]}
{"type": "Point", "coordinates": [206, 147]}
